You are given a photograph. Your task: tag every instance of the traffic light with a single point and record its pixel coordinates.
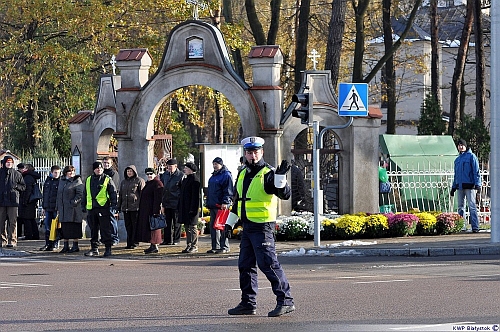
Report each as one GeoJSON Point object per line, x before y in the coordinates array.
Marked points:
{"type": "Point", "coordinates": [304, 111]}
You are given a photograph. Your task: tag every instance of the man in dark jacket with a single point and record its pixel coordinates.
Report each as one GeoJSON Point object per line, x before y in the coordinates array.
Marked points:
{"type": "Point", "coordinates": [49, 202]}
{"type": "Point", "coordinates": [467, 182]}
{"type": "Point", "coordinates": [171, 179]}
{"type": "Point", "coordinates": [107, 163]}
{"type": "Point", "coordinates": [219, 197]}
{"type": "Point", "coordinates": [11, 184]}
{"type": "Point", "coordinates": [99, 200]}
{"type": "Point", "coordinates": [27, 207]}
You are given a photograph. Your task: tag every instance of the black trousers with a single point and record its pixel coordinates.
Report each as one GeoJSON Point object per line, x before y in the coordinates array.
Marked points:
{"type": "Point", "coordinates": [130, 219]}
{"type": "Point", "coordinates": [99, 220]}
{"type": "Point", "coordinates": [171, 233]}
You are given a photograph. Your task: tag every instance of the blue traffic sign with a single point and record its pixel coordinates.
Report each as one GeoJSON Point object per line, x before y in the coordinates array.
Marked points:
{"type": "Point", "coordinates": [353, 99]}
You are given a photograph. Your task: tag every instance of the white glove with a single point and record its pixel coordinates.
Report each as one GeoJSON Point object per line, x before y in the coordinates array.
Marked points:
{"type": "Point", "coordinates": [279, 180]}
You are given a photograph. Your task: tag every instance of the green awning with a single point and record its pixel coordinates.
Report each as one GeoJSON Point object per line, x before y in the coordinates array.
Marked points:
{"type": "Point", "coordinates": [408, 152]}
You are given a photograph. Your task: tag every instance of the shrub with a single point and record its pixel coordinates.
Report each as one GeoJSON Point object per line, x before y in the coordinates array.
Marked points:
{"type": "Point", "coordinates": [328, 229]}
{"type": "Point", "coordinates": [349, 226]}
{"type": "Point", "coordinates": [294, 228]}
{"type": "Point", "coordinates": [376, 225]}
{"type": "Point", "coordinates": [449, 222]}
{"type": "Point", "coordinates": [402, 224]}
{"type": "Point", "coordinates": [426, 223]}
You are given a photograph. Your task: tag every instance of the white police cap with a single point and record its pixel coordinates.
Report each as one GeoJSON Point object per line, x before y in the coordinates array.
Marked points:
{"type": "Point", "coordinates": [252, 143]}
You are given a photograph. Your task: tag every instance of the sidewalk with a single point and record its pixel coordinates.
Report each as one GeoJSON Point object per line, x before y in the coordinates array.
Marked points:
{"type": "Point", "coordinates": [446, 245]}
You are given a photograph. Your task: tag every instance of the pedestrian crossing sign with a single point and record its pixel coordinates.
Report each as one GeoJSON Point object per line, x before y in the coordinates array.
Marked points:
{"type": "Point", "coordinates": [353, 99]}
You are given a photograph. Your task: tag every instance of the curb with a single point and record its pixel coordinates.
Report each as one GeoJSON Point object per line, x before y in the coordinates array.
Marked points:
{"type": "Point", "coordinates": [418, 252]}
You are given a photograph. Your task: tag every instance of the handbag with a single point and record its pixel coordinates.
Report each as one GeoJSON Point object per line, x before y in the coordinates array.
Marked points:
{"type": "Point", "coordinates": [385, 187]}
{"type": "Point", "coordinates": [54, 226]}
{"type": "Point", "coordinates": [220, 219]}
{"type": "Point", "coordinates": [157, 221]}
{"type": "Point", "coordinates": [36, 194]}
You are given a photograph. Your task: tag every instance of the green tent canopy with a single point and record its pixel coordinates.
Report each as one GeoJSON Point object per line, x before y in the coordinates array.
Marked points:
{"type": "Point", "coordinates": [421, 168]}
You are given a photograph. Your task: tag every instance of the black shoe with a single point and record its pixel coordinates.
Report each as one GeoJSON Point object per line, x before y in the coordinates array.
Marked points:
{"type": "Point", "coordinates": [192, 250]}
{"type": "Point", "coordinates": [164, 243]}
{"type": "Point", "coordinates": [65, 249]}
{"type": "Point", "coordinates": [475, 231]}
{"type": "Point", "coordinates": [74, 249]}
{"type": "Point", "coordinates": [185, 251]}
{"type": "Point", "coordinates": [47, 247]}
{"type": "Point", "coordinates": [281, 310]}
{"type": "Point", "coordinates": [10, 245]}
{"type": "Point", "coordinates": [222, 251]}
{"type": "Point", "coordinates": [130, 247]}
{"type": "Point", "coordinates": [242, 310]}
{"type": "Point", "coordinates": [92, 253]}
{"type": "Point", "coordinates": [151, 250]}
{"type": "Point", "coordinates": [212, 251]}
{"type": "Point", "coordinates": [107, 253]}
{"type": "Point", "coordinates": [174, 243]}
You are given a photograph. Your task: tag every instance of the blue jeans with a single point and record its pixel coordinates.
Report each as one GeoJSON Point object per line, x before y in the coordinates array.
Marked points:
{"type": "Point", "coordinates": [47, 221]}
{"type": "Point", "coordinates": [257, 249]}
{"type": "Point", "coordinates": [470, 194]}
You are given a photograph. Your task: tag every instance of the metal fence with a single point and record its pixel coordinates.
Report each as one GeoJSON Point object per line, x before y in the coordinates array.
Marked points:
{"type": "Point", "coordinates": [429, 190]}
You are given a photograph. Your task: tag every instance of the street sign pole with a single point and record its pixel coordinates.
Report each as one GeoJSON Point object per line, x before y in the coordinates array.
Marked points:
{"type": "Point", "coordinates": [315, 157]}
{"type": "Point", "coordinates": [317, 146]}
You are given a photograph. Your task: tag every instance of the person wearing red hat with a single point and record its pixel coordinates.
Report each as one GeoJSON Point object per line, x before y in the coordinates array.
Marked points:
{"type": "Point", "coordinates": [11, 185]}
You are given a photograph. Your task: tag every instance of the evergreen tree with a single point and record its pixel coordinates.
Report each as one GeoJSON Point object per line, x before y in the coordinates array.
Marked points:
{"type": "Point", "coordinates": [430, 122]}
{"type": "Point", "coordinates": [477, 136]}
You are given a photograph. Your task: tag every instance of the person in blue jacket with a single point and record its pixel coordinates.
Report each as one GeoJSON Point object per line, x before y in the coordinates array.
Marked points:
{"type": "Point", "coordinates": [467, 182]}
{"type": "Point", "coordinates": [219, 197]}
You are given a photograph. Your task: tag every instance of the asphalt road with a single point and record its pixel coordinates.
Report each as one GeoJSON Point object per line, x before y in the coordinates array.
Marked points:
{"type": "Point", "coordinates": [193, 294]}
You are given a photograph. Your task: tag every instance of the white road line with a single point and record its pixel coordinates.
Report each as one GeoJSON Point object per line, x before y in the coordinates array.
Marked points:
{"type": "Point", "coordinates": [360, 277]}
{"type": "Point", "coordinates": [237, 289]}
{"type": "Point", "coordinates": [8, 302]}
{"type": "Point", "coordinates": [413, 327]}
{"type": "Point", "coordinates": [17, 284]}
{"type": "Point", "coordinates": [123, 295]}
{"type": "Point", "coordinates": [381, 281]}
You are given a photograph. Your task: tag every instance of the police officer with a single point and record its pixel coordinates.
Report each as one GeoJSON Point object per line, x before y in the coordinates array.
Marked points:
{"type": "Point", "coordinates": [258, 187]}
{"type": "Point", "coordinates": [99, 200]}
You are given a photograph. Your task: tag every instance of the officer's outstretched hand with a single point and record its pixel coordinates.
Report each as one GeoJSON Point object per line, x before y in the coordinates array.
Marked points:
{"type": "Point", "coordinates": [283, 168]}
{"type": "Point", "coordinates": [280, 174]}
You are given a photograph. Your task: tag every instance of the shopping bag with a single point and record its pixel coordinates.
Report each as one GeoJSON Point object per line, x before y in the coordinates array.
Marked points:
{"type": "Point", "coordinates": [53, 228]}
{"type": "Point", "coordinates": [157, 221]}
{"type": "Point", "coordinates": [220, 219]}
{"type": "Point", "coordinates": [36, 194]}
{"type": "Point", "coordinates": [385, 187]}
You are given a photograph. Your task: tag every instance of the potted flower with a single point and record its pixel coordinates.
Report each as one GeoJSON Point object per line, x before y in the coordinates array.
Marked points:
{"type": "Point", "coordinates": [426, 223]}
{"type": "Point", "coordinates": [449, 222]}
{"type": "Point", "coordinates": [402, 224]}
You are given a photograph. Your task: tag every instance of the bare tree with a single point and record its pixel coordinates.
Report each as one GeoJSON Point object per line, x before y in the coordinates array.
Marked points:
{"type": "Point", "coordinates": [336, 29]}
{"type": "Point", "coordinates": [458, 72]}
{"type": "Point", "coordinates": [480, 61]}
{"type": "Point", "coordinates": [434, 50]}
{"type": "Point", "coordinates": [389, 73]}
{"type": "Point", "coordinates": [302, 39]}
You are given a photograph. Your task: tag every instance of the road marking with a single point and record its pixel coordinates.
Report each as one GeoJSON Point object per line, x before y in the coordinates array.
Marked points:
{"type": "Point", "coordinates": [412, 327]}
{"type": "Point", "coordinates": [8, 301]}
{"type": "Point", "coordinates": [4, 285]}
{"type": "Point", "coordinates": [360, 277]}
{"type": "Point", "coordinates": [123, 295]}
{"type": "Point", "coordinates": [382, 281]}
{"type": "Point", "coordinates": [237, 289]}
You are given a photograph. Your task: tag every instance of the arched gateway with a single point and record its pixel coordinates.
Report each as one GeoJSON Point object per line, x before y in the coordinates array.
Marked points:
{"type": "Point", "coordinates": [195, 54]}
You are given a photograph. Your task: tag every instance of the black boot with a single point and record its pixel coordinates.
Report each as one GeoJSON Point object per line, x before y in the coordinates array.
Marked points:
{"type": "Point", "coordinates": [65, 248]}
{"type": "Point", "coordinates": [107, 253]}
{"type": "Point", "coordinates": [75, 247]}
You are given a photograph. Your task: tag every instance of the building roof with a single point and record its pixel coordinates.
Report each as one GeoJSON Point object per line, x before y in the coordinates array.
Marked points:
{"type": "Point", "coordinates": [80, 117]}
{"type": "Point", "coordinates": [133, 54]}
{"type": "Point", "coordinates": [265, 51]}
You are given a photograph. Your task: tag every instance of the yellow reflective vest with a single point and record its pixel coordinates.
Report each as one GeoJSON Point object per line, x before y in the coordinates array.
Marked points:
{"type": "Point", "coordinates": [261, 207]}
{"type": "Point", "coordinates": [102, 196]}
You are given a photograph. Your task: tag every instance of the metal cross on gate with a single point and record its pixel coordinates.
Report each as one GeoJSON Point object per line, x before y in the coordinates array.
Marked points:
{"type": "Point", "coordinates": [197, 3]}
{"type": "Point", "coordinates": [314, 55]}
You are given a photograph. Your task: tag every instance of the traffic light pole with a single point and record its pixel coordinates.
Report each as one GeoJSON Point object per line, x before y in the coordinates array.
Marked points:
{"type": "Point", "coordinates": [317, 145]}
